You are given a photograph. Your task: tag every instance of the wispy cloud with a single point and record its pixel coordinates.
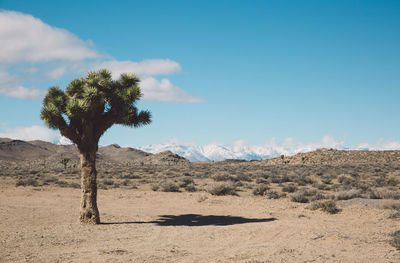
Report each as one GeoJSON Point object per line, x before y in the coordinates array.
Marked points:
{"type": "Point", "coordinates": [150, 67]}
{"type": "Point", "coordinates": [32, 49]}
{"type": "Point", "coordinates": [164, 90]}
{"type": "Point", "coordinates": [10, 85]}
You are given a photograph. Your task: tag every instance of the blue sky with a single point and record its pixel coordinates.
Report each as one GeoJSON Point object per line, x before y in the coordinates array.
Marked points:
{"type": "Point", "coordinates": [234, 70]}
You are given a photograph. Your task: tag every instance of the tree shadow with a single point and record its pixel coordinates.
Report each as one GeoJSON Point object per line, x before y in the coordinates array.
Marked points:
{"type": "Point", "coordinates": [197, 220]}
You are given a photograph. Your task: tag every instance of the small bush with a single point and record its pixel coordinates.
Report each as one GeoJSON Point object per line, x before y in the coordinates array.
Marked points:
{"type": "Point", "coordinates": [290, 188]}
{"type": "Point", "coordinates": [347, 194]}
{"type": "Point", "coordinates": [155, 187]}
{"type": "Point", "coordinates": [185, 181]}
{"type": "Point", "coordinates": [243, 177]}
{"type": "Point", "coordinates": [303, 180]}
{"type": "Point", "coordinates": [299, 197]}
{"type": "Point", "coordinates": [27, 182]}
{"type": "Point", "coordinates": [318, 196]}
{"type": "Point", "coordinates": [328, 206]}
{"type": "Point", "coordinates": [394, 215]}
{"type": "Point", "coordinates": [271, 194]}
{"type": "Point", "coordinates": [395, 241]}
{"type": "Point", "coordinates": [51, 179]}
{"type": "Point", "coordinates": [125, 182]}
{"type": "Point", "coordinates": [223, 189]}
{"type": "Point", "coordinates": [384, 194]}
{"type": "Point", "coordinates": [221, 177]}
{"type": "Point", "coordinates": [395, 205]}
{"type": "Point", "coordinates": [346, 179]}
{"type": "Point", "coordinates": [108, 182]}
{"type": "Point", "coordinates": [190, 188]}
{"type": "Point", "coordinates": [169, 186]}
{"type": "Point", "coordinates": [260, 189]}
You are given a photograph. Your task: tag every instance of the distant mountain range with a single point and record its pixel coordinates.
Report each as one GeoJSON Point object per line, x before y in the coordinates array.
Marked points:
{"type": "Point", "coordinates": [219, 152]}
{"type": "Point", "coordinates": [17, 150]}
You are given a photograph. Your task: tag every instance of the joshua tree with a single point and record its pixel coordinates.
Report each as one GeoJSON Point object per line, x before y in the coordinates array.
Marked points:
{"type": "Point", "coordinates": [82, 113]}
{"type": "Point", "coordinates": [65, 161]}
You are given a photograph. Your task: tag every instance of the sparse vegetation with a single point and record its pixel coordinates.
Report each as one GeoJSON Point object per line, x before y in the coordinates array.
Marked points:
{"type": "Point", "coordinates": [65, 161]}
{"type": "Point", "coordinates": [260, 189]}
{"type": "Point", "coordinates": [395, 241]}
{"type": "Point", "coordinates": [223, 189]}
{"type": "Point", "coordinates": [169, 186]}
{"type": "Point", "coordinates": [328, 206]}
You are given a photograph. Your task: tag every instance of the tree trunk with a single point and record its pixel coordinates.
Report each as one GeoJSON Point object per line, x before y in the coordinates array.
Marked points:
{"type": "Point", "coordinates": [89, 211]}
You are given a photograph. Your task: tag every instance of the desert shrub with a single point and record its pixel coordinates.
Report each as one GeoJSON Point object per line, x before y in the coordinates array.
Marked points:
{"type": "Point", "coordinates": [130, 176]}
{"type": "Point", "coordinates": [261, 180]}
{"type": "Point", "coordinates": [384, 194]}
{"type": "Point", "coordinates": [74, 185]}
{"type": "Point", "coordinates": [276, 179]}
{"type": "Point", "coordinates": [271, 194]}
{"type": "Point", "coordinates": [243, 177]}
{"type": "Point", "coordinates": [223, 189]}
{"type": "Point", "coordinates": [318, 196]}
{"type": "Point", "coordinates": [299, 197]}
{"type": "Point", "coordinates": [155, 187]}
{"type": "Point", "coordinates": [347, 194]}
{"type": "Point", "coordinates": [304, 195]}
{"type": "Point", "coordinates": [125, 182]}
{"type": "Point", "coordinates": [394, 215]}
{"type": "Point", "coordinates": [328, 206]}
{"type": "Point", "coordinates": [326, 180]}
{"type": "Point", "coordinates": [395, 241]}
{"type": "Point", "coordinates": [392, 180]}
{"type": "Point", "coordinates": [108, 182]}
{"type": "Point", "coordinates": [65, 184]}
{"type": "Point", "coordinates": [185, 181]}
{"type": "Point", "coordinates": [260, 189]}
{"type": "Point", "coordinates": [322, 186]}
{"type": "Point", "coordinates": [27, 182]}
{"type": "Point", "coordinates": [345, 179]}
{"type": "Point", "coordinates": [169, 186]}
{"type": "Point", "coordinates": [190, 188]}
{"type": "Point", "coordinates": [290, 188]}
{"type": "Point", "coordinates": [51, 179]}
{"type": "Point", "coordinates": [221, 177]}
{"type": "Point", "coordinates": [380, 181]}
{"type": "Point", "coordinates": [303, 180]}
{"type": "Point", "coordinates": [391, 205]}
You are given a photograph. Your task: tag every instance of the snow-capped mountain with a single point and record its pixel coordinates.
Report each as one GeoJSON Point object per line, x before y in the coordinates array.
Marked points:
{"type": "Point", "coordinates": [241, 149]}
{"type": "Point", "coordinates": [246, 151]}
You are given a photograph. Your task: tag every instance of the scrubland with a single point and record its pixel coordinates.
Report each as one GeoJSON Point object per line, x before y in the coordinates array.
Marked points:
{"type": "Point", "coordinates": [178, 211]}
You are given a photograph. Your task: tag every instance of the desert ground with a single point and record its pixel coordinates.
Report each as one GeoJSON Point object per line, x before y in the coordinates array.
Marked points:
{"type": "Point", "coordinates": [323, 206]}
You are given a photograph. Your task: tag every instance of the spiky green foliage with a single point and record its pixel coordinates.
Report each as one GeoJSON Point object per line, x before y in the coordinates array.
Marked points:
{"type": "Point", "coordinates": [91, 105]}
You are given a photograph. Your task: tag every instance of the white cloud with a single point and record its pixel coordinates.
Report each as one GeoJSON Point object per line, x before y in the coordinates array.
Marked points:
{"type": "Point", "coordinates": [11, 86]}
{"type": "Point", "coordinates": [31, 133]}
{"type": "Point", "coordinates": [164, 90]}
{"type": "Point", "coordinates": [47, 53]}
{"type": "Point", "coordinates": [26, 38]}
{"type": "Point", "coordinates": [149, 67]}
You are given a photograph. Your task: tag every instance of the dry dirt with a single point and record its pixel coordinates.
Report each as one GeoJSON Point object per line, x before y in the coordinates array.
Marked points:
{"type": "Point", "coordinates": [39, 224]}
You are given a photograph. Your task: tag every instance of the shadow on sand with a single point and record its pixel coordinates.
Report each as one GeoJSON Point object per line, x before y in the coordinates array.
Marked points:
{"type": "Point", "coordinates": [197, 220]}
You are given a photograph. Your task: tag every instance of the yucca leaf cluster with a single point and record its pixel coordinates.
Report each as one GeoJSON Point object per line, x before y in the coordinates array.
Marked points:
{"type": "Point", "coordinates": [91, 105]}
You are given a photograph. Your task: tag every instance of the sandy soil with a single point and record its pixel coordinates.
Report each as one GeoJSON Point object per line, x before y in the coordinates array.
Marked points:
{"type": "Point", "coordinates": [40, 225]}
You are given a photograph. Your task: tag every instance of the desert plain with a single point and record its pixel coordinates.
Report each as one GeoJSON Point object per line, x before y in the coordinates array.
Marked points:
{"type": "Point", "coordinates": [322, 206]}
